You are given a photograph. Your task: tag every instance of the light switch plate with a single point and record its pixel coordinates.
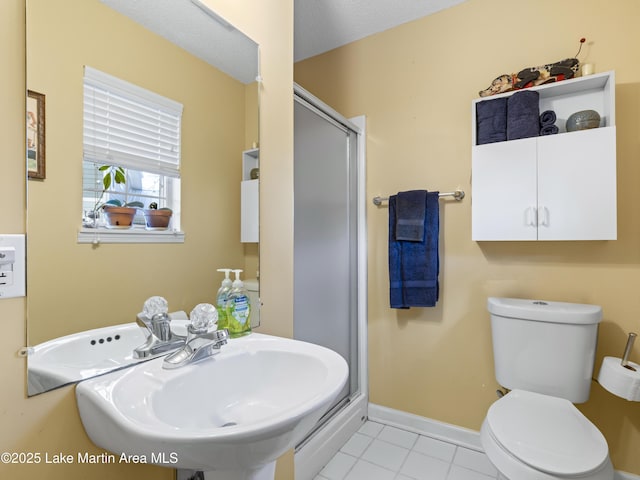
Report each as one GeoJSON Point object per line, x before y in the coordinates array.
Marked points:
{"type": "Point", "coordinates": [14, 273]}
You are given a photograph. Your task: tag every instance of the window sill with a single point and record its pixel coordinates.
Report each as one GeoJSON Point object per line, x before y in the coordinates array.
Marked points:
{"type": "Point", "coordinates": [133, 235]}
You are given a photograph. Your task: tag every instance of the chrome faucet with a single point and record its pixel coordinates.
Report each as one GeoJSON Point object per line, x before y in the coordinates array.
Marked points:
{"type": "Point", "coordinates": [155, 321]}
{"type": "Point", "coordinates": [203, 340]}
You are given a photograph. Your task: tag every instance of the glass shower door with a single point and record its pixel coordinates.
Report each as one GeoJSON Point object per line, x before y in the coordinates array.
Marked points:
{"type": "Point", "coordinates": [326, 237]}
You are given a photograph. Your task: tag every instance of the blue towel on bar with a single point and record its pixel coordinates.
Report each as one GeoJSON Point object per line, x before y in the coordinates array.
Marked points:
{"type": "Point", "coordinates": [414, 266]}
{"type": "Point", "coordinates": [523, 115]}
{"type": "Point", "coordinates": [410, 215]}
{"type": "Point", "coordinates": [491, 121]}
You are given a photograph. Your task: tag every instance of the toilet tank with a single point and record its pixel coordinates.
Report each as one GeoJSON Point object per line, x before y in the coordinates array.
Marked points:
{"type": "Point", "coordinates": [544, 347]}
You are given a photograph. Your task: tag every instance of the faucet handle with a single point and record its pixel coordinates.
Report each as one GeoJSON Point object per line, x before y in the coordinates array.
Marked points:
{"type": "Point", "coordinates": [204, 316]}
{"type": "Point", "coordinates": [154, 306]}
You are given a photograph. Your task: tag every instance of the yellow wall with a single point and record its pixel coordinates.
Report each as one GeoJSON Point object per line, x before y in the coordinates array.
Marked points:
{"type": "Point", "coordinates": [415, 84]}
{"type": "Point", "coordinates": [75, 287]}
{"type": "Point", "coordinates": [49, 422]}
{"type": "Point", "coordinates": [252, 105]}
{"type": "Point", "coordinates": [270, 23]}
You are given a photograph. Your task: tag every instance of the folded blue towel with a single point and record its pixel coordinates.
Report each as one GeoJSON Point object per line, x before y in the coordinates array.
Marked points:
{"type": "Point", "coordinates": [414, 266]}
{"type": "Point", "coordinates": [491, 121]}
{"type": "Point", "coordinates": [410, 215]}
{"type": "Point", "coordinates": [548, 117]}
{"type": "Point", "coordinates": [523, 115]}
{"type": "Point", "coordinates": [549, 130]}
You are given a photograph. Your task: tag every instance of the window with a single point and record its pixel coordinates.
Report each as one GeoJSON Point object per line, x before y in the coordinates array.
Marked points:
{"type": "Point", "coordinates": [130, 127]}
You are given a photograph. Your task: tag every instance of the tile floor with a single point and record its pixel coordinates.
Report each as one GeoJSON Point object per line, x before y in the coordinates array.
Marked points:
{"type": "Point", "coordinates": [382, 452]}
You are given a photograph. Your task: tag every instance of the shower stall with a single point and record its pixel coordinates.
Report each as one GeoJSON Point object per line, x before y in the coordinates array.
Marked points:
{"type": "Point", "coordinates": [330, 262]}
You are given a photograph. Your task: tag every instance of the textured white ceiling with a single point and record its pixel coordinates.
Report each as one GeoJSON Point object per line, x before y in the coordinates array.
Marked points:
{"type": "Point", "coordinates": [186, 25]}
{"type": "Point", "coordinates": [322, 25]}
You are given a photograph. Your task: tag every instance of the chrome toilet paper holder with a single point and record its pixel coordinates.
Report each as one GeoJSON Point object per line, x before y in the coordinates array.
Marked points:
{"type": "Point", "coordinates": [627, 352]}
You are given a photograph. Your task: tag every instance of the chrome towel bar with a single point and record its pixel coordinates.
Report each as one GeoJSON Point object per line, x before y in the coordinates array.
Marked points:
{"type": "Point", "coordinates": [457, 195]}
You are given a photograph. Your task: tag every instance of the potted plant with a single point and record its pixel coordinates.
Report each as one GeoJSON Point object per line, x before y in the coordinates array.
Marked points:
{"type": "Point", "coordinates": [117, 214]}
{"type": "Point", "coordinates": [157, 218]}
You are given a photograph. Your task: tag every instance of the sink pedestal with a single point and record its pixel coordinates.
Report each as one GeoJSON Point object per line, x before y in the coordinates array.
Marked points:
{"type": "Point", "coordinates": [267, 472]}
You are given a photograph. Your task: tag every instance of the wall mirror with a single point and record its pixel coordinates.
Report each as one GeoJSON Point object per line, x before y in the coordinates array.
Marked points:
{"type": "Point", "coordinates": [183, 51]}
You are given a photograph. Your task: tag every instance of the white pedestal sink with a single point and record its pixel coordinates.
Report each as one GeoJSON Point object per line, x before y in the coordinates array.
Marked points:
{"type": "Point", "coordinates": [231, 415]}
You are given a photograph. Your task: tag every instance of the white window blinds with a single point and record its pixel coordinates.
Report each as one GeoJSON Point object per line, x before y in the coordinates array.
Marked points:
{"type": "Point", "coordinates": [129, 126]}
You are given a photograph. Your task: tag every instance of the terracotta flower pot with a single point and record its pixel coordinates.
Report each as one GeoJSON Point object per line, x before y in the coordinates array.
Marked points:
{"type": "Point", "coordinates": [119, 217]}
{"type": "Point", "coordinates": [157, 219]}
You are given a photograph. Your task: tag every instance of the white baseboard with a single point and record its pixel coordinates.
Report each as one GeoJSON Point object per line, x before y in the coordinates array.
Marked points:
{"type": "Point", "coordinates": [310, 458]}
{"type": "Point", "coordinates": [442, 431]}
{"type": "Point", "coordinates": [426, 426]}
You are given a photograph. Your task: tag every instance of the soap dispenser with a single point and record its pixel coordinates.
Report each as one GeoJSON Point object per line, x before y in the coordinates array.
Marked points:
{"type": "Point", "coordinates": [221, 298]}
{"type": "Point", "coordinates": [238, 308]}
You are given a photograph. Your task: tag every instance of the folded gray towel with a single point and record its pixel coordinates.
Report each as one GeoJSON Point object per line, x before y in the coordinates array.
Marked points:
{"type": "Point", "coordinates": [523, 115]}
{"type": "Point", "coordinates": [491, 121]}
{"type": "Point", "coordinates": [410, 215]}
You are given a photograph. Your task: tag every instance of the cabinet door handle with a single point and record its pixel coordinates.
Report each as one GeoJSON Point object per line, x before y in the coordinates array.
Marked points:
{"type": "Point", "coordinates": [543, 216]}
{"type": "Point", "coordinates": [531, 219]}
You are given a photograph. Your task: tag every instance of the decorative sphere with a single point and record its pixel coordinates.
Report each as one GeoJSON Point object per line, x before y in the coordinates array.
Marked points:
{"type": "Point", "coordinates": [583, 120]}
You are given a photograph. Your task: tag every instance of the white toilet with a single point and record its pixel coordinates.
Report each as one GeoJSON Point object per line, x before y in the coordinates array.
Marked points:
{"type": "Point", "coordinates": [544, 353]}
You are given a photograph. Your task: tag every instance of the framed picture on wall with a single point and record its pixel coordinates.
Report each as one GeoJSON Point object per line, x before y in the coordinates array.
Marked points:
{"type": "Point", "coordinates": [35, 135]}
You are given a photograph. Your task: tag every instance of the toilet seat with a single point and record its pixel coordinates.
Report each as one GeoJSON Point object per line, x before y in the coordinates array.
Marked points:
{"type": "Point", "coordinates": [547, 435]}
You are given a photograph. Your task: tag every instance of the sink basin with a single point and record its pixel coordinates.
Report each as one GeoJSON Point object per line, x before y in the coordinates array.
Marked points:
{"type": "Point", "coordinates": [87, 354]}
{"type": "Point", "coordinates": [81, 355]}
{"type": "Point", "coordinates": [231, 415]}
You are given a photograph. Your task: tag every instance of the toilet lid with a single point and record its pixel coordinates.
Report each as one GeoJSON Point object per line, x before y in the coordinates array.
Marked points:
{"type": "Point", "coordinates": [547, 433]}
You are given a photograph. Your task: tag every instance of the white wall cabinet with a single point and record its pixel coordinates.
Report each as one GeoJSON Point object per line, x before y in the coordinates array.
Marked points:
{"type": "Point", "coordinates": [249, 198]}
{"type": "Point", "coordinates": [554, 187]}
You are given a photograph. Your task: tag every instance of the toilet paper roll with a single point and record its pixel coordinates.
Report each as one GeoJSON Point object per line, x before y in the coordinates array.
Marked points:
{"type": "Point", "coordinates": [619, 380]}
